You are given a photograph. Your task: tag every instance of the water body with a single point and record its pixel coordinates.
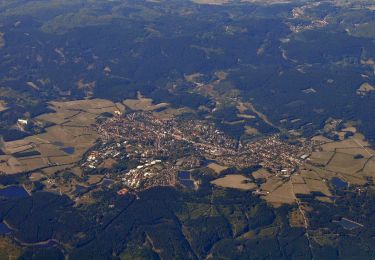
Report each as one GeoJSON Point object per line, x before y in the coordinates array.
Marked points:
{"type": "Point", "coordinates": [13, 192]}
{"type": "Point", "coordinates": [338, 183]}
{"type": "Point", "coordinates": [58, 144]}
{"type": "Point", "coordinates": [184, 178]}
{"type": "Point", "coordinates": [349, 224]}
{"type": "Point", "coordinates": [68, 150]}
{"type": "Point", "coordinates": [4, 230]}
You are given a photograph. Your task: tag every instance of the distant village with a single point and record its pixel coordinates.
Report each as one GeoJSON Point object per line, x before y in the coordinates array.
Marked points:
{"type": "Point", "coordinates": [155, 150]}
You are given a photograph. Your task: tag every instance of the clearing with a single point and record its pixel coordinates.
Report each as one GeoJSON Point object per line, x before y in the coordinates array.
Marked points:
{"type": "Point", "coordinates": [234, 181]}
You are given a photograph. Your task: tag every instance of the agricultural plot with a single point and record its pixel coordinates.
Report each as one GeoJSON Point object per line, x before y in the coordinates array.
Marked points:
{"type": "Point", "coordinates": [301, 188]}
{"type": "Point", "coordinates": [364, 89]}
{"type": "Point", "coordinates": [144, 104]}
{"type": "Point", "coordinates": [235, 181]}
{"type": "Point", "coordinates": [170, 113]}
{"type": "Point", "coordinates": [369, 169]}
{"type": "Point", "coordinates": [211, 2]}
{"type": "Point", "coordinates": [62, 144]}
{"type": "Point", "coordinates": [296, 219]}
{"type": "Point", "coordinates": [217, 167]}
{"type": "Point", "coordinates": [346, 164]}
{"type": "Point", "coordinates": [251, 131]}
{"type": "Point", "coordinates": [271, 184]}
{"type": "Point", "coordinates": [320, 138]}
{"type": "Point", "coordinates": [321, 158]}
{"type": "Point", "coordinates": [3, 106]}
{"type": "Point", "coordinates": [350, 159]}
{"type": "Point", "coordinates": [281, 195]}
{"type": "Point", "coordinates": [318, 186]}
{"type": "Point", "coordinates": [161, 110]}
{"type": "Point", "coordinates": [261, 174]}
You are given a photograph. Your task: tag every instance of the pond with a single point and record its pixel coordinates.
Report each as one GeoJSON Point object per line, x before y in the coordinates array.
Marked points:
{"type": "Point", "coordinates": [338, 183]}
{"type": "Point", "coordinates": [68, 150]}
{"type": "Point", "coordinates": [13, 192]}
{"type": "Point", "coordinates": [184, 178]}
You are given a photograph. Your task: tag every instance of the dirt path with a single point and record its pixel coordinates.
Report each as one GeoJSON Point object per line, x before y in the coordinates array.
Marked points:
{"type": "Point", "coordinates": [259, 114]}
{"type": "Point", "coordinates": [356, 141]}
{"type": "Point", "coordinates": [305, 221]}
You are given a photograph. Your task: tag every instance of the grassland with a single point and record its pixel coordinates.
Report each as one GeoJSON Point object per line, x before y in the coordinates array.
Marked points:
{"type": "Point", "coordinates": [161, 110]}
{"type": "Point", "coordinates": [296, 218]}
{"type": "Point", "coordinates": [144, 104]}
{"type": "Point", "coordinates": [72, 128]}
{"type": "Point", "coordinates": [261, 173]}
{"type": "Point", "coordinates": [3, 106]}
{"type": "Point", "coordinates": [211, 2]}
{"type": "Point", "coordinates": [351, 159]}
{"type": "Point", "coordinates": [8, 250]}
{"type": "Point", "coordinates": [234, 181]}
{"type": "Point", "coordinates": [217, 167]}
{"type": "Point", "coordinates": [283, 194]}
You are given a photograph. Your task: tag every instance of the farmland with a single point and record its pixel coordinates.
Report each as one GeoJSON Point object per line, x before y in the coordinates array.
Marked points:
{"type": "Point", "coordinates": [234, 181]}
{"type": "Point", "coordinates": [351, 159]}
{"type": "Point", "coordinates": [62, 144]}
{"type": "Point", "coordinates": [200, 129]}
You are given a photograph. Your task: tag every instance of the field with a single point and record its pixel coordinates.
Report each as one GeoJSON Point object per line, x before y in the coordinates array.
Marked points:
{"type": "Point", "coordinates": [364, 89]}
{"type": "Point", "coordinates": [170, 113]}
{"type": "Point", "coordinates": [8, 250]}
{"type": "Point", "coordinates": [217, 167]}
{"type": "Point", "coordinates": [63, 144]}
{"type": "Point", "coordinates": [235, 181]}
{"type": "Point", "coordinates": [352, 159]}
{"type": "Point", "coordinates": [211, 2]}
{"type": "Point", "coordinates": [251, 131]}
{"type": "Point", "coordinates": [283, 194]}
{"type": "Point", "coordinates": [143, 104]}
{"type": "Point", "coordinates": [261, 173]}
{"type": "Point", "coordinates": [344, 163]}
{"type": "Point", "coordinates": [161, 110]}
{"type": "Point", "coordinates": [3, 106]}
{"type": "Point", "coordinates": [296, 219]}
{"type": "Point", "coordinates": [272, 184]}
{"type": "Point", "coordinates": [321, 158]}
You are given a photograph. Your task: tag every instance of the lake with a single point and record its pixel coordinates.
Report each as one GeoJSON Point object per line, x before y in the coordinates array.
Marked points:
{"type": "Point", "coordinates": [338, 183]}
{"type": "Point", "coordinates": [184, 178]}
{"type": "Point", "coordinates": [68, 150]}
{"type": "Point", "coordinates": [13, 192]}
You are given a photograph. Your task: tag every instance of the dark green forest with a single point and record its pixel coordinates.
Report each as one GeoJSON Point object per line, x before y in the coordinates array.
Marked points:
{"type": "Point", "coordinates": [298, 70]}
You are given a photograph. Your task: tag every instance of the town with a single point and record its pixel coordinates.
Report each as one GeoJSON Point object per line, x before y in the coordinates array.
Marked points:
{"type": "Point", "coordinates": [154, 150]}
